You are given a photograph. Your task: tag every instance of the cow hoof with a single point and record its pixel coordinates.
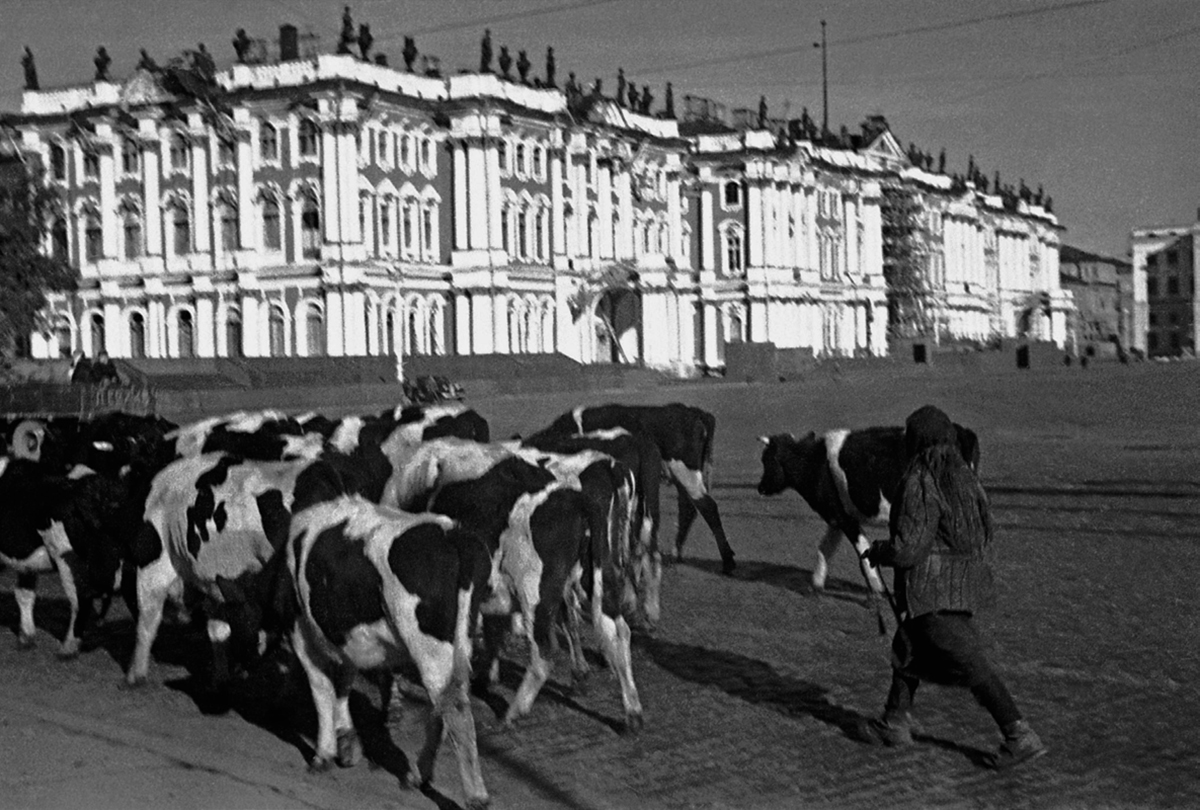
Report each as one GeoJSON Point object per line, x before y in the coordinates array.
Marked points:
{"type": "Point", "coordinates": [68, 652]}
{"type": "Point", "coordinates": [415, 780]}
{"type": "Point", "coordinates": [25, 642]}
{"type": "Point", "coordinates": [727, 566]}
{"type": "Point", "coordinates": [478, 804]}
{"type": "Point", "coordinates": [320, 764]}
{"type": "Point", "coordinates": [633, 724]}
{"type": "Point", "coordinates": [134, 682]}
{"type": "Point", "coordinates": [348, 748]}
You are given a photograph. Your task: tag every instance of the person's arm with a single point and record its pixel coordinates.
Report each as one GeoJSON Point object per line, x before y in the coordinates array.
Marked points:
{"type": "Point", "coordinates": [915, 528]}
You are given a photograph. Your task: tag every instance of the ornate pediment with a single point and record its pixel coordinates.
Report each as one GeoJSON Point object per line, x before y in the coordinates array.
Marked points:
{"type": "Point", "coordinates": [886, 148]}
{"type": "Point", "coordinates": [142, 87]}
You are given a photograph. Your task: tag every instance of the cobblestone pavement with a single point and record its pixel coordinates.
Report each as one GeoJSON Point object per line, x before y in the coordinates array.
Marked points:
{"type": "Point", "coordinates": [750, 682]}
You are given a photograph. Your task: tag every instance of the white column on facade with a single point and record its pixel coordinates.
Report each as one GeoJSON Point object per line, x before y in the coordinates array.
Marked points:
{"type": "Point", "coordinates": [558, 235]}
{"type": "Point", "coordinates": [674, 215]}
{"type": "Point", "coordinates": [853, 263]}
{"type": "Point", "coordinates": [604, 210]}
{"type": "Point", "coordinates": [250, 326]}
{"type": "Point", "coordinates": [494, 197]}
{"type": "Point", "coordinates": [347, 157]}
{"type": "Point", "coordinates": [334, 323]}
{"type": "Point", "coordinates": [356, 325]}
{"type": "Point", "coordinates": [329, 185]}
{"type": "Point", "coordinates": [625, 236]}
{"type": "Point", "coordinates": [482, 327]}
{"type": "Point", "coordinates": [155, 329]}
{"type": "Point", "coordinates": [770, 226]}
{"type": "Point", "coordinates": [755, 223]}
{"type": "Point", "coordinates": [114, 330]}
{"type": "Point", "coordinates": [459, 152]}
{"type": "Point", "coordinates": [707, 237]}
{"type": "Point", "coordinates": [150, 197]}
{"type": "Point", "coordinates": [579, 205]}
{"type": "Point", "coordinates": [711, 314]}
{"type": "Point", "coordinates": [108, 191]}
{"type": "Point", "coordinates": [205, 327]}
{"type": "Point", "coordinates": [202, 241]}
{"type": "Point", "coordinates": [462, 322]}
{"type": "Point", "coordinates": [477, 196]}
{"type": "Point", "coordinates": [245, 194]}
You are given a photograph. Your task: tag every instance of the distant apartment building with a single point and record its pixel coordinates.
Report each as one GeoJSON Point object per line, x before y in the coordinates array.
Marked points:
{"type": "Point", "coordinates": [1166, 306]}
{"type": "Point", "coordinates": [1102, 313]}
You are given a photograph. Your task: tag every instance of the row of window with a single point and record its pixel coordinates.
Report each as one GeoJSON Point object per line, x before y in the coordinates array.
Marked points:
{"type": "Point", "coordinates": [179, 152]}
{"type": "Point", "coordinates": [406, 151]}
{"type": "Point", "coordinates": [522, 161]}
{"type": "Point", "coordinates": [1172, 287]}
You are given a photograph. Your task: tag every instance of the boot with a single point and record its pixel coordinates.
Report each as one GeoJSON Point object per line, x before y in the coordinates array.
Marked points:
{"type": "Point", "coordinates": [892, 732]}
{"type": "Point", "coordinates": [1021, 744]}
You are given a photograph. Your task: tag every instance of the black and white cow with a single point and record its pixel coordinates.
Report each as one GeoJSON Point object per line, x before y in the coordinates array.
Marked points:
{"type": "Point", "coordinates": [641, 456]}
{"type": "Point", "coordinates": [266, 435]}
{"type": "Point", "coordinates": [848, 477]}
{"type": "Point", "coordinates": [537, 526]}
{"type": "Point", "coordinates": [684, 435]}
{"type": "Point", "coordinates": [209, 521]}
{"type": "Point", "coordinates": [377, 588]}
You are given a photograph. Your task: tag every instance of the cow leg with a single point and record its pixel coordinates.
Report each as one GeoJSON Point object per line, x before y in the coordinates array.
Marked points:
{"type": "Point", "coordinates": [574, 609]}
{"type": "Point", "coordinates": [539, 668]}
{"type": "Point", "coordinates": [870, 573]}
{"type": "Point", "coordinates": [218, 638]}
{"type": "Point", "coordinates": [70, 642]}
{"type": "Point", "coordinates": [26, 594]}
{"type": "Point", "coordinates": [445, 678]}
{"type": "Point", "coordinates": [691, 488]}
{"type": "Point", "coordinates": [825, 551]}
{"type": "Point", "coordinates": [325, 700]}
{"type": "Point", "coordinates": [154, 584]}
{"type": "Point", "coordinates": [615, 640]}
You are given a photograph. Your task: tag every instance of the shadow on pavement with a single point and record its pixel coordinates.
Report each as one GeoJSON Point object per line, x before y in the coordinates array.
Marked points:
{"type": "Point", "coordinates": [787, 577]}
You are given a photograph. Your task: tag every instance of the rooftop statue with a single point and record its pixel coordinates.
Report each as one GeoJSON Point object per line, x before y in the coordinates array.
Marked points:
{"type": "Point", "coordinates": [669, 101]}
{"type": "Point", "coordinates": [102, 61]}
{"type": "Point", "coordinates": [146, 62]}
{"type": "Point", "coordinates": [485, 52]}
{"type": "Point", "coordinates": [347, 37]}
{"type": "Point", "coordinates": [365, 40]}
{"type": "Point", "coordinates": [505, 61]}
{"type": "Point", "coordinates": [551, 66]}
{"type": "Point", "coordinates": [762, 112]}
{"type": "Point", "coordinates": [409, 53]}
{"type": "Point", "coordinates": [647, 100]}
{"type": "Point", "coordinates": [523, 66]}
{"type": "Point", "coordinates": [621, 86]}
{"type": "Point", "coordinates": [31, 77]}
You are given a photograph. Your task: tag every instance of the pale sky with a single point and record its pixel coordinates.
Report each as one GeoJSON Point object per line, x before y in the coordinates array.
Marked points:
{"type": "Point", "coordinates": [1096, 100]}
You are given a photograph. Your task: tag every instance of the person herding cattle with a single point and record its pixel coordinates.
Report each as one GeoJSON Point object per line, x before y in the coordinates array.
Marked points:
{"type": "Point", "coordinates": [940, 546]}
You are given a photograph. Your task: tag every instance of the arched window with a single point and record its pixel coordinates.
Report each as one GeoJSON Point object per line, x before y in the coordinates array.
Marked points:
{"type": "Point", "coordinates": [91, 165]}
{"type": "Point", "coordinates": [516, 329]}
{"type": "Point", "coordinates": [315, 323]}
{"type": "Point", "coordinates": [427, 229]}
{"type": "Point", "coordinates": [99, 344]}
{"type": "Point", "coordinates": [272, 235]}
{"type": "Point", "coordinates": [59, 244]}
{"type": "Point", "coordinates": [520, 161]}
{"type": "Point", "coordinates": [58, 162]}
{"type": "Point", "coordinates": [181, 229]}
{"type": "Point", "coordinates": [404, 150]}
{"type": "Point", "coordinates": [385, 223]}
{"type": "Point", "coordinates": [131, 157]}
{"type": "Point", "coordinates": [132, 231]}
{"type": "Point", "coordinates": [310, 229]}
{"type": "Point", "coordinates": [226, 153]}
{"type": "Point", "coordinates": [180, 154]}
{"type": "Point", "coordinates": [389, 332]}
{"type": "Point", "coordinates": [427, 155]}
{"type": "Point", "coordinates": [733, 193]}
{"type": "Point", "coordinates": [539, 236]}
{"type": "Point", "coordinates": [539, 162]}
{"type": "Point", "coordinates": [505, 230]}
{"type": "Point", "coordinates": [522, 234]}
{"type": "Point", "coordinates": [93, 237]}
{"type": "Point", "coordinates": [62, 337]}
{"type": "Point", "coordinates": [137, 335]}
{"type": "Point", "coordinates": [733, 251]}
{"type": "Point", "coordinates": [409, 227]}
{"type": "Point", "coordinates": [187, 334]}
{"type": "Point", "coordinates": [736, 332]}
{"type": "Point", "coordinates": [413, 331]}
{"type": "Point", "coordinates": [268, 143]}
{"type": "Point", "coordinates": [502, 151]}
{"type": "Point", "coordinates": [233, 332]}
{"type": "Point", "coordinates": [276, 333]}
{"type": "Point", "coordinates": [593, 235]}
{"type": "Point", "coordinates": [307, 137]}
{"type": "Point", "coordinates": [230, 239]}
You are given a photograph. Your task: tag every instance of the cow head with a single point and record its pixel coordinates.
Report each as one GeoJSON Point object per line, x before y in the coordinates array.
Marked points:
{"type": "Point", "coordinates": [774, 456]}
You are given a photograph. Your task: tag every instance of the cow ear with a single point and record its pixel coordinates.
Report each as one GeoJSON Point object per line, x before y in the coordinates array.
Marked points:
{"type": "Point", "coordinates": [765, 439]}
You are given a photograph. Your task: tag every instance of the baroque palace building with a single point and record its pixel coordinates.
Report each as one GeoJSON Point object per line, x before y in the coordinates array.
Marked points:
{"type": "Point", "coordinates": [341, 207]}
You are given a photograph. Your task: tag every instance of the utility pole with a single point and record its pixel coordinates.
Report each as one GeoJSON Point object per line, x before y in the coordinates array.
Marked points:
{"type": "Point", "coordinates": [824, 82]}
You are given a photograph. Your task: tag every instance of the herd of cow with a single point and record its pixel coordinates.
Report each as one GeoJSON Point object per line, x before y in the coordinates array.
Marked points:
{"type": "Point", "coordinates": [401, 539]}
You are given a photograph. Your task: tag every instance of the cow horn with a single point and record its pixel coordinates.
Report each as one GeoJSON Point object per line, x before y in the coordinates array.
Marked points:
{"type": "Point", "coordinates": [764, 439]}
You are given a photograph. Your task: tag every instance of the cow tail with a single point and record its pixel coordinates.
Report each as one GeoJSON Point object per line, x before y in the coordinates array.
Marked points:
{"type": "Point", "coordinates": [710, 429]}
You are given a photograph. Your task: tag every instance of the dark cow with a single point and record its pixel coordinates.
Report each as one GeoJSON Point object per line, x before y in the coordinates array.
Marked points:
{"type": "Point", "coordinates": [209, 521]}
{"type": "Point", "coordinates": [538, 530]}
{"type": "Point", "coordinates": [641, 456]}
{"type": "Point", "coordinates": [78, 523]}
{"type": "Point", "coordinates": [377, 588]}
{"type": "Point", "coordinates": [848, 477]}
{"type": "Point", "coordinates": [684, 435]}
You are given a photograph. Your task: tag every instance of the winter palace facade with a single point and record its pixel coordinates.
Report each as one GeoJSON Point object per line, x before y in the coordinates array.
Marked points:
{"type": "Point", "coordinates": [341, 207]}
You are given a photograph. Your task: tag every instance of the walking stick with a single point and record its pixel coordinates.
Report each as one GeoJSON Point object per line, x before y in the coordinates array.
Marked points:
{"type": "Point", "coordinates": [886, 592]}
